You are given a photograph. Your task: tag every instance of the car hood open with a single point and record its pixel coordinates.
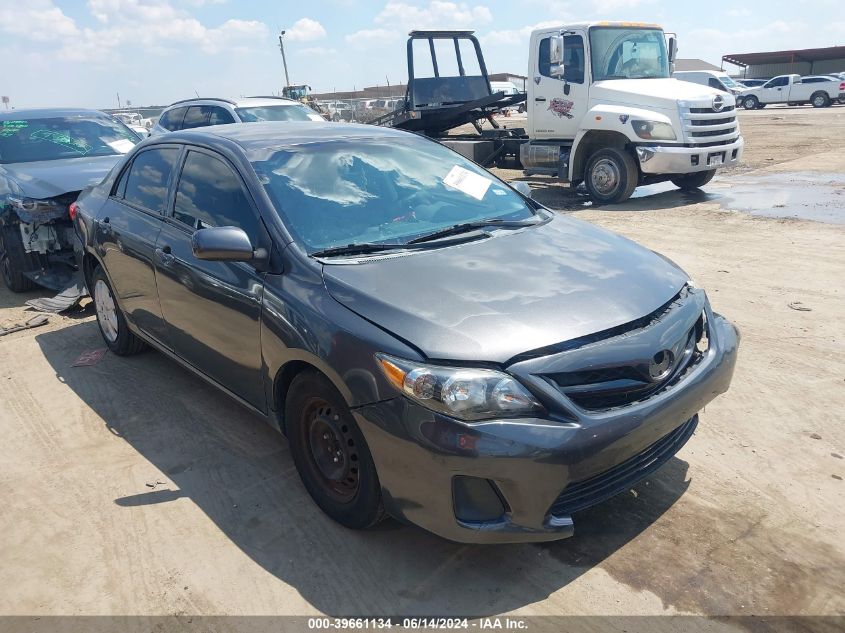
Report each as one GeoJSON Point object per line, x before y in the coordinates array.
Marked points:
{"type": "Point", "coordinates": [495, 298]}
{"type": "Point", "coordinates": [49, 178]}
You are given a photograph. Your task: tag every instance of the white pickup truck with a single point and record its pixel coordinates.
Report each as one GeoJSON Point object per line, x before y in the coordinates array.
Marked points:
{"type": "Point", "coordinates": [792, 89]}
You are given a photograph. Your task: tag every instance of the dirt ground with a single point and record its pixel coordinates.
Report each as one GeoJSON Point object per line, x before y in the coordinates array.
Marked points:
{"type": "Point", "coordinates": [131, 487]}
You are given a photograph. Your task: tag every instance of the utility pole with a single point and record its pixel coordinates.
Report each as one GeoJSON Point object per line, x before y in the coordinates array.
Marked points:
{"type": "Point", "coordinates": [284, 60]}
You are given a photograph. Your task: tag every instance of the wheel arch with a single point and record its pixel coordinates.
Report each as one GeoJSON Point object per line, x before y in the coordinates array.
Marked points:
{"type": "Point", "coordinates": [591, 141]}
{"type": "Point", "coordinates": [285, 375]}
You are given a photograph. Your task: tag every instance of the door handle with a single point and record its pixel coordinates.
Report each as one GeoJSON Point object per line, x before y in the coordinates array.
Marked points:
{"type": "Point", "coordinates": [165, 256]}
{"type": "Point", "coordinates": [539, 98]}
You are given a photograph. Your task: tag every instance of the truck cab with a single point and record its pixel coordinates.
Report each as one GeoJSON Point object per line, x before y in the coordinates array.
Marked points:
{"type": "Point", "coordinates": [604, 110]}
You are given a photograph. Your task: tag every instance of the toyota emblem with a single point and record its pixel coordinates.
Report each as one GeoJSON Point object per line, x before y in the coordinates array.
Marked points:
{"type": "Point", "coordinates": [660, 365]}
{"type": "Point", "coordinates": [718, 103]}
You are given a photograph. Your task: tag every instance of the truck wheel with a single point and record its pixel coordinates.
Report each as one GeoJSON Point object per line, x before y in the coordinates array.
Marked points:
{"type": "Point", "coordinates": [330, 453]}
{"type": "Point", "coordinates": [14, 260]}
{"type": "Point", "coordinates": [694, 181]}
{"type": "Point", "coordinates": [820, 99]}
{"type": "Point", "coordinates": [611, 175]}
{"type": "Point", "coordinates": [750, 102]}
{"type": "Point", "coordinates": [110, 318]}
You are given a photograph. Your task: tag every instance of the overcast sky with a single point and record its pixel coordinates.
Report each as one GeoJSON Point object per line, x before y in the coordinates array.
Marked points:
{"type": "Point", "coordinates": [83, 52]}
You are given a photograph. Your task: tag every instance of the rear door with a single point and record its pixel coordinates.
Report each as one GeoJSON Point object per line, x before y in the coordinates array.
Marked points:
{"type": "Point", "coordinates": [127, 229]}
{"type": "Point", "coordinates": [212, 309]}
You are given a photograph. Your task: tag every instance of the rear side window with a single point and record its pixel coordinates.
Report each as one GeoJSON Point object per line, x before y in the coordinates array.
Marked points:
{"type": "Point", "coordinates": [172, 119]}
{"type": "Point", "coordinates": [219, 116]}
{"type": "Point", "coordinates": [195, 117]}
{"type": "Point", "coordinates": [211, 194]}
{"type": "Point", "coordinates": [144, 184]}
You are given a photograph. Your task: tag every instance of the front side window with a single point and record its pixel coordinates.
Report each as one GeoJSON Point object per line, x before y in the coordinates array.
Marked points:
{"type": "Point", "coordinates": [196, 116]}
{"type": "Point", "coordinates": [144, 183]}
{"type": "Point", "coordinates": [385, 190]}
{"type": "Point", "coordinates": [210, 194]}
{"type": "Point", "coordinates": [777, 82]}
{"type": "Point", "coordinates": [573, 58]}
{"type": "Point", "coordinates": [291, 112]}
{"type": "Point", "coordinates": [628, 53]}
{"type": "Point", "coordinates": [54, 138]}
{"type": "Point", "coordinates": [219, 116]}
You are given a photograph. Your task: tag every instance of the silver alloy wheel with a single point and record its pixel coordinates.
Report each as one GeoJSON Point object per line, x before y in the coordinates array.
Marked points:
{"type": "Point", "coordinates": [605, 176]}
{"type": "Point", "coordinates": [106, 310]}
{"type": "Point", "coordinates": [818, 101]}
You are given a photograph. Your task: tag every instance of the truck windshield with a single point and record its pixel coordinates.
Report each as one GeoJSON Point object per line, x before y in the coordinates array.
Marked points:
{"type": "Point", "coordinates": [628, 53]}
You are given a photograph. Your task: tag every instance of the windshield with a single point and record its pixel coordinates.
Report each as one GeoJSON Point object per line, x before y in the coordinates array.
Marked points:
{"type": "Point", "coordinates": [623, 53]}
{"type": "Point", "coordinates": [730, 83]}
{"type": "Point", "coordinates": [379, 190]}
{"type": "Point", "coordinates": [86, 135]}
{"type": "Point", "coordinates": [292, 112]}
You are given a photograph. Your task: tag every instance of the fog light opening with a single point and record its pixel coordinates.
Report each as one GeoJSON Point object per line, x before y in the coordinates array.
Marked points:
{"type": "Point", "coordinates": [477, 500]}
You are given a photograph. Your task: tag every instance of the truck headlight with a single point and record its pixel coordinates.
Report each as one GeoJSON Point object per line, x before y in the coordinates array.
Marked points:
{"type": "Point", "coordinates": [460, 392]}
{"type": "Point", "coordinates": [653, 130]}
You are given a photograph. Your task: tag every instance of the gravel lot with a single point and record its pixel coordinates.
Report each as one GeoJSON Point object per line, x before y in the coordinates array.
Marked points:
{"type": "Point", "coordinates": [131, 487]}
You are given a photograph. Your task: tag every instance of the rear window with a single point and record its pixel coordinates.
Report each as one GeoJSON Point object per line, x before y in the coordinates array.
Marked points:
{"type": "Point", "coordinates": [80, 136]}
{"type": "Point", "coordinates": [292, 112]}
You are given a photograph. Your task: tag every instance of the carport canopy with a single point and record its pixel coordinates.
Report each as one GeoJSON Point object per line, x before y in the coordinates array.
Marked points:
{"type": "Point", "coordinates": [785, 57]}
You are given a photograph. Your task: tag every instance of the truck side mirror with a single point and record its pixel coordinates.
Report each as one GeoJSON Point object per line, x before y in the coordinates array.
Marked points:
{"type": "Point", "coordinates": [556, 66]}
{"type": "Point", "coordinates": [673, 48]}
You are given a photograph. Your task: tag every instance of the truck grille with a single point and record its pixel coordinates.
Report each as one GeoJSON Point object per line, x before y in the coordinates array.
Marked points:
{"type": "Point", "coordinates": [705, 126]}
{"type": "Point", "coordinates": [589, 492]}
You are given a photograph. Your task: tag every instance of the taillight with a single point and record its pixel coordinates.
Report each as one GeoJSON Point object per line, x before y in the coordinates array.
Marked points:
{"type": "Point", "coordinates": [842, 87]}
{"type": "Point", "coordinates": [72, 210]}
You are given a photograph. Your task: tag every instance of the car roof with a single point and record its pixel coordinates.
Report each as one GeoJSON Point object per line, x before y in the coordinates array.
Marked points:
{"type": "Point", "coordinates": [268, 134]}
{"type": "Point", "coordinates": [238, 103]}
{"type": "Point", "coordinates": [46, 113]}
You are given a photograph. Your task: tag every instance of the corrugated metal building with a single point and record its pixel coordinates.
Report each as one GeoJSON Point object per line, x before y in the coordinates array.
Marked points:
{"type": "Point", "coordinates": [808, 61]}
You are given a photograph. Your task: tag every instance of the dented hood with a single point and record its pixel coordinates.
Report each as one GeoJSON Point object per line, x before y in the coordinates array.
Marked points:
{"type": "Point", "coordinates": [49, 178]}
{"type": "Point", "coordinates": [494, 298]}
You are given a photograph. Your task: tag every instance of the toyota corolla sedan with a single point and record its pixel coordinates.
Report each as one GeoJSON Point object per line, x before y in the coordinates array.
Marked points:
{"type": "Point", "coordinates": [435, 345]}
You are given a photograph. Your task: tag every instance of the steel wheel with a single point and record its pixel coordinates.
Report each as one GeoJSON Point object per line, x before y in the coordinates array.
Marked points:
{"type": "Point", "coordinates": [106, 311]}
{"type": "Point", "coordinates": [333, 453]}
{"type": "Point", "coordinates": [605, 176]}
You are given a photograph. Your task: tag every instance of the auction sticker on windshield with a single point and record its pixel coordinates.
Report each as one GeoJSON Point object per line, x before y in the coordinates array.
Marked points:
{"type": "Point", "coordinates": [121, 145]}
{"type": "Point", "coordinates": [467, 182]}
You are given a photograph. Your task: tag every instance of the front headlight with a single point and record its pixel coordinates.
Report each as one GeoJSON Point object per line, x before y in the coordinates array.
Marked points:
{"type": "Point", "coordinates": [653, 130]}
{"type": "Point", "coordinates": [35, 210]}
{"type": "Point", "coordinates": [459, 392]}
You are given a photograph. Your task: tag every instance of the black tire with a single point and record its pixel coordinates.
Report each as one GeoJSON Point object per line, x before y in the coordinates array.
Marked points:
{"type": "Point", "coordinates": [123, 342]}
{"type": "Point", "coordinates": [819, 99]}
{"type": "Point", "coordinates": [751, 102]}
{"type": "Point", "coordinates": [320, 426]}
{"type": "Point", "coordinates": [695, 180]}
{"type": "Point", "coordinates": [611, 175]}
{"type": "Point", "coordinates": [14, 260]}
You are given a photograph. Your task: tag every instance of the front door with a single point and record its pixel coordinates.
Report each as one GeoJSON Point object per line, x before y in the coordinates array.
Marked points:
{"type": "Point", "coordinates": [775, 91]}
{"type": "Point", "coordinates": [127, 229]}
{"type": "Point", "coordinates": [212, 309]}
{"type": "Point", "coordinates": [558, 104]}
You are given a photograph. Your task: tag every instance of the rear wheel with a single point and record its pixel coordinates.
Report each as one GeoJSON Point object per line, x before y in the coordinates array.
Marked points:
{"type": "Point", "coordinates": [330, 453]}
{"type": "Point", "coordinates": [14, 260]}
{"type": "Point", "coordinates": [694, 180]}
{"type": "Point", "coordinates": [110, 318]}
{"type": "Point", "coordinates": [611, 175]}
{"type": "Point", "coordinates": [820, 100]}
{"type": "Point", "coordinates": [750, 102]}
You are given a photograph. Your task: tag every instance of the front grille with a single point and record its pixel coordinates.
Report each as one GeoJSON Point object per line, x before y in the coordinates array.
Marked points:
{"type": "Point", "coordinates": [729, 130]}
{"type": "Point", "coordinates": [602, 388]}
{"type": "Point", "coordinates": [711, 110]}
{"type": "Point", "coordinates": [729, 119]}
{"type": "Point", "coordinates": [589, 492]}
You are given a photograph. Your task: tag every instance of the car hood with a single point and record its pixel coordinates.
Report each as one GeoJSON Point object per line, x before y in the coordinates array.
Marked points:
{"type": "Point", "coordinates": [667, 91]}
{"type": "Point", "coordinates": [48, 178]}
{"type": "Point", "coordinates": [495, 298]}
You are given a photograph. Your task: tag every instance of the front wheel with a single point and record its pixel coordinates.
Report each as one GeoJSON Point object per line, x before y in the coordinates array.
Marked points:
{"type": "Point", "coordinates": [13, 260]}
{"type": "Point", "coordinates": [330, 453]}
{"type": "Point", "coordinates": [820, 100]}
{"type": "Point", "coordinates": [611, 175]}
{"type": "Point", "coordinates": [695, 180]}
{"type": "Point", "coordinates": [750, 103]}
{"type": "Point", "coordinates": [110, 318]}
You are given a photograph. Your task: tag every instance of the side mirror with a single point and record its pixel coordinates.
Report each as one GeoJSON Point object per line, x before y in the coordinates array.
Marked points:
{"type": "Point", "coordinates": [672, 45]}
{"type": "Point", "coordinates": [222, 244]}
{"type": "Point", "coordinates": [522, 187]}
{"type": "Point", "coordinates": [556, 66]}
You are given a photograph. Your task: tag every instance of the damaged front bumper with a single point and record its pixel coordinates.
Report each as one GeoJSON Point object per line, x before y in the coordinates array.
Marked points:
{"type": "Point", "coordinates": [515, 480]}
{"type": "Point", "coordinates": [673, 159]}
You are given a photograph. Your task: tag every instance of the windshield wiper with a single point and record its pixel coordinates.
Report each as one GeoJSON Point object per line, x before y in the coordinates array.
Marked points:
{"type": "Point", "coordinates": [355, 249]}
{"type": "Point", "coordinates": [471, 226]}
